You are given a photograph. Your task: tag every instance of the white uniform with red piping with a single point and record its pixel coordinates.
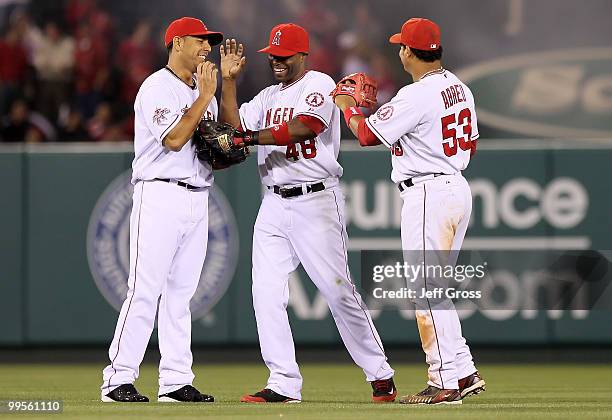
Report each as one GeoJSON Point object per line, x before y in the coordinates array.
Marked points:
{"type": "Point", "coordinates": [429, 127]}
{"type": "Point", "coordinates": [308, 228]}
{"type": "Point", "coordinates": [168, 239]}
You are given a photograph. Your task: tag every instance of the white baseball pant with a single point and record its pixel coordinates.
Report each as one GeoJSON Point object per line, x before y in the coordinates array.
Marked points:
{"type": "Point", "coordinates": [309, 229]}
{"type": "Point", "coordinates": [435, 216]}
{"type": "Point", "coordinates": [168, 239]}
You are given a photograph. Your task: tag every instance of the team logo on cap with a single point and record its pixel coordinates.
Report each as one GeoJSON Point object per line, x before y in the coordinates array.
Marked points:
{"type": "Point", "coordinates": [385, 112]}
{"type": "Point", "coordinates": [433, 46]}
{"type": "Point", "coordinates": [276, 39]}
{"type": "Point", "coordinates": [108, 247]}
{"type": "Point", "coordinates": [315, 99]}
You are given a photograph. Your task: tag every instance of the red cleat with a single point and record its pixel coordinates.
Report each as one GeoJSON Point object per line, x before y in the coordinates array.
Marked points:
{"type": "Point", "coordinates": [471, 385]}
{"type": "Point", "coordinates": [383, 390]}
{"type": "Point", "coordinates": [267, 396]}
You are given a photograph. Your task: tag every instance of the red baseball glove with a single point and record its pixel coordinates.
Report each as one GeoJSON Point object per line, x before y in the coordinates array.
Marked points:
{"type": "Point", "coordinates": [360, 87]}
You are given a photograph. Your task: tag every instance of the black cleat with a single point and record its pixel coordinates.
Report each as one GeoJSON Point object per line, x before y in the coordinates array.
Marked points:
{"type": "Point", "coordinates": [125, 393]}
{"type": "Point", "coordinates": [267, 396]}
{"type": "Point", "coordinates": [185, 394]}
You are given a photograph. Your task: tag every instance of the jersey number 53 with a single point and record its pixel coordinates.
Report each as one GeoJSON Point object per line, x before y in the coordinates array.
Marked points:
{"type": "Point", "coordinates": [450, 124]}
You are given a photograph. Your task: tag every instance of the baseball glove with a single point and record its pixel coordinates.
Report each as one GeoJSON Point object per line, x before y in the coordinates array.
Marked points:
{"type": "Point", "coordinates": [214, 143]}
{"type": "Point", "coordinates": [360, 87]}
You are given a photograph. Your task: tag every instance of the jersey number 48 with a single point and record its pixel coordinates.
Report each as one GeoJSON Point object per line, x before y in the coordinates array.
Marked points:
{"type": "Point", "coordinates": [308, 148]}
{"type": "Point", "coordinates": [450, 124]}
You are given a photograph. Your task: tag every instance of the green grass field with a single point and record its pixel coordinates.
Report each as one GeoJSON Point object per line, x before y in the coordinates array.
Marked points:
{"type": "Point", "coordinates": [331, 391]}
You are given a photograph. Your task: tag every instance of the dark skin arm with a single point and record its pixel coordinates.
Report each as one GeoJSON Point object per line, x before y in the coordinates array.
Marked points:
{"type": "Point", "coordinates": [232, 64]}
{"type": "Point", "coordinates": [297, 131]}
{"type": "Point", "coordinates": [228, 110]}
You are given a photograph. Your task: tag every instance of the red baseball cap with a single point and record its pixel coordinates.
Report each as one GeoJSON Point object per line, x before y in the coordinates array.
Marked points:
{"type": "Point", "coordinates": [418, 33]}
{"type": "Point", "coordinates": [188, 26]}
{"type": "Point", "coordinates": [287, 39]}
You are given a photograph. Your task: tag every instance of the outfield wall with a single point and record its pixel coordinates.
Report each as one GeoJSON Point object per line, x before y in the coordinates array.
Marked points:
{"type": "Point", "coordinates": [532, 195]}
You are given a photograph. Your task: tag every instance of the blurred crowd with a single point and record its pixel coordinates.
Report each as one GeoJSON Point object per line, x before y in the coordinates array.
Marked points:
{"type": "Point", "coordinates": [71, 71]}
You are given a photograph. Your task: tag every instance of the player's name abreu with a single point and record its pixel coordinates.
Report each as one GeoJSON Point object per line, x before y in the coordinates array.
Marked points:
{"type": "Point", "coordinates": [436, 293]}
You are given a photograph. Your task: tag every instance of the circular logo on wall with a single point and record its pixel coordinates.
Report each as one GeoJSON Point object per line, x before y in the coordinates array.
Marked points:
{"type": "Point", "coordinates": [108, 247]}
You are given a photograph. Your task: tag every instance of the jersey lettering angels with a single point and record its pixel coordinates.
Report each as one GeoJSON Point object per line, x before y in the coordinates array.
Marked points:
{"type": "Point", "coordinates": [309, 160]}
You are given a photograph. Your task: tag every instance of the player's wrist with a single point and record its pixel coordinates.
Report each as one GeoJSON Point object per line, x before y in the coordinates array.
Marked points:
{"type": "Point", "coordinates": [280, 133]}
{"type": "Point", "coordinates": [246, 138]}
{"type": "Point", "coordinates": [351, 112]}
{"type": "Point", "coordinates": [203, 100]}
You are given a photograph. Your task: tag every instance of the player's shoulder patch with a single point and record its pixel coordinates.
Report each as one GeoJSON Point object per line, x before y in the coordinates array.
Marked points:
{"type": "Point", "coordinates": [318, 86]}
{"type": "Point", "coordinates": [315, 99]}
{"type": "Point", "coordinates": [385, 112]}
{"type": "Point", "coordinates": [159, 115]}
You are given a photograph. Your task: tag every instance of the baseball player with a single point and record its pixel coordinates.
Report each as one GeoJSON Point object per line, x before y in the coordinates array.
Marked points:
{"type": "Point", "coordinates": [301, 218]}
{"type": "Point", "coordinates": [430, 127]}
{"type": "Point", "coordinates": [169, 221]}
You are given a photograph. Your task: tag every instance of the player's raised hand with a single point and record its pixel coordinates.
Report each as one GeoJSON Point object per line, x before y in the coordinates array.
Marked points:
{"type": "Point", "coordinates": [232, 61]}
{"type": "Point", "coordinates": [206, 76]}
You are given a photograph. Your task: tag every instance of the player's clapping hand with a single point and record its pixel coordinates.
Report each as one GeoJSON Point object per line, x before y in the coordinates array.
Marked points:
{"type": "Point", "coordinates": [232, 61]}
{"type": "Point", "coordinates": [207, 78]}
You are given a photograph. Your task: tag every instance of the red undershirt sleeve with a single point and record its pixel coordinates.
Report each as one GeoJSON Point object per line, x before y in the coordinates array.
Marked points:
{"type": "Point", "coordinates": [315, 124]}
{"type": "Point", "coordinates": [365, 136]}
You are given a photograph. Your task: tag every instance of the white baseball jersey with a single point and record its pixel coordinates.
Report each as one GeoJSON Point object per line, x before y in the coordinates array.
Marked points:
{"type": "Point", "coordinates": [429, 125]}
{"type": "Point", "coordinates": [160, 103]}
{"type": "Point", "coordinates": [168, 240]}
{"type": "Point", "coordinates": [309, 160]}
{"type": "Point", "coordinates": [314, 234]}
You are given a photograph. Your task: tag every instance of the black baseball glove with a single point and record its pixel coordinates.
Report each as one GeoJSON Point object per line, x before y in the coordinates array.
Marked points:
{"type": "Point", "coordinates": [214, 143]}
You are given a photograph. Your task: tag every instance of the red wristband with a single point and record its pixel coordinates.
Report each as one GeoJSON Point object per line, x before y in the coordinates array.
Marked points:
{"type": "Point", "coordinates": [280, 133]}
{"type": "Point", "coordinates": [349, 113]}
